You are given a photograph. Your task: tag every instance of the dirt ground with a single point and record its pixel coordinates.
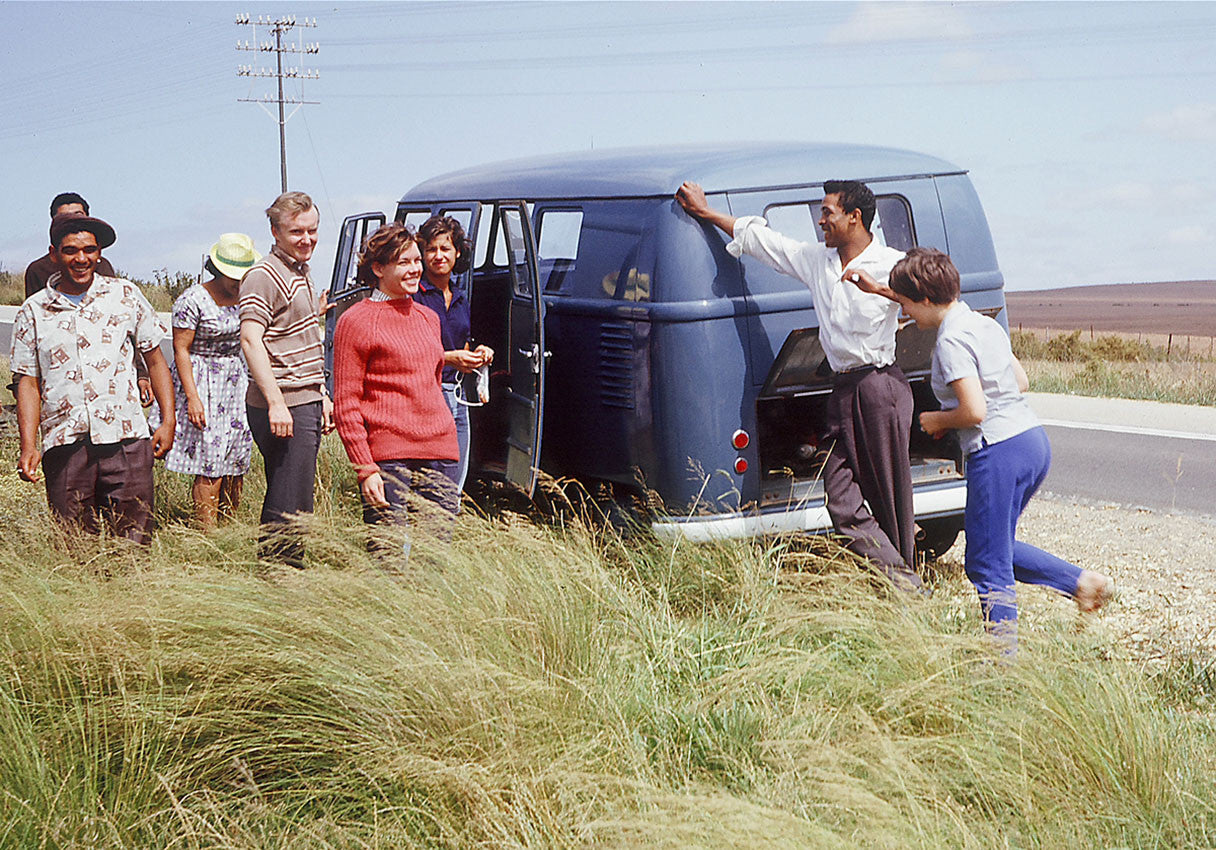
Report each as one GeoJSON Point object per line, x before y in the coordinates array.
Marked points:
{"type": "Point", "coordinates": [1162, 565]}
{"type": "Point", "coordinates": [1186, 308]}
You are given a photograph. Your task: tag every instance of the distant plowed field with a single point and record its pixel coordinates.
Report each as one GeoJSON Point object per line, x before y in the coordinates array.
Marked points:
{"type": "Point", "coordinates": [1184, 307]}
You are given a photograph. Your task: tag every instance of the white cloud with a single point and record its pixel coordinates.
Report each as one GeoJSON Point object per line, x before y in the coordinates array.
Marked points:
{"type": "Point", "coordinates": [900, 21]}
{"type": "Point", "coordinates": [1194, 122]}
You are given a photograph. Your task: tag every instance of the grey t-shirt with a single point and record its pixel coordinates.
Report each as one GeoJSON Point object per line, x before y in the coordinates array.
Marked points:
{"type": "Point", "coordinates": [970, 345]}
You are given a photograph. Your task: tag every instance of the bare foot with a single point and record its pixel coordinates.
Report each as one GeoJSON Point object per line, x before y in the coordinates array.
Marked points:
{"type": "Point", "coordinates": [1093, 591]}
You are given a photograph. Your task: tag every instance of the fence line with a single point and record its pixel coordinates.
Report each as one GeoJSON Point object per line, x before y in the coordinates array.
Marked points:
{"type": "Point", "coordinates": [1187, 343]}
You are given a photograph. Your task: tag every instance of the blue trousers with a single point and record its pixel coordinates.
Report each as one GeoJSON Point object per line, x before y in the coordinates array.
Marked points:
{"type": "Point", "coordinates": [1001, 478]}
{"type": "Point", "coordinates": [460, 413]}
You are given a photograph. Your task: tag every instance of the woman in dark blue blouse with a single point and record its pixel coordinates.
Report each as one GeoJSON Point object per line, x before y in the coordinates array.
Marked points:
{"type": "Point", "coordinates": [446, 252]}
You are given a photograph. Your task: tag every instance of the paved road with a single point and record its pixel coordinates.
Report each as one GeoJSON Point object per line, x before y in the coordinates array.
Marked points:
{"type": "Point", "coordinates": [1131, 453]}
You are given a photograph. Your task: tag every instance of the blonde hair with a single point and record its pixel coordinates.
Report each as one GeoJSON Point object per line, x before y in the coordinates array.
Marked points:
{"type": "Point", "coordinates": [287, 205]}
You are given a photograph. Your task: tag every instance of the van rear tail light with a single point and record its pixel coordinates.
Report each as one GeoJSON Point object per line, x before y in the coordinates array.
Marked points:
{"type": "Point", "coordinates": [740, 439]}
{"type": "Point", "coordinates": [740, 465]}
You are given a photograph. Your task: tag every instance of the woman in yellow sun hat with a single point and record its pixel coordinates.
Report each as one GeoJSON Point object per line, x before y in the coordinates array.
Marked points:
{"type": "Point", "coordinates": [213, 442]}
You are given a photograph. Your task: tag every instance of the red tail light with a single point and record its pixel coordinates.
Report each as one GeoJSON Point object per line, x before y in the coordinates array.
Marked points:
{"type": "Point", "coordinates": [740, 465]}
{"type": "Point", "coordinates": [740, 439]}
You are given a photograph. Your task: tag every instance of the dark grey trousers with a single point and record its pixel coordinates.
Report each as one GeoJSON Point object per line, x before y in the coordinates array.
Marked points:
{"type": "Point", "coordinates": [869, 418]}
{"type": "Point", "coordinates": [291, 470]}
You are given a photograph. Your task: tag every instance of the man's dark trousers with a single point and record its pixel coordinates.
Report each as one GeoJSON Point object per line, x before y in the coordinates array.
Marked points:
{"type": "Point", "coordinates": [869, 416]}
{"type": "Point", "coordinates": [113, 482]}
{"type": "Point", "coordinates": [291, 469]}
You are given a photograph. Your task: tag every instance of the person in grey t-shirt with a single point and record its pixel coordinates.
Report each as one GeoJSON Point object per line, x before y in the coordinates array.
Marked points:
{"type": "Point", "coordinates": [979, 383]}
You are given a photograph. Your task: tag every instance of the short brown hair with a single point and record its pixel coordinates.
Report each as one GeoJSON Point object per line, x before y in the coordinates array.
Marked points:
{"type": "Point", "coordinates": [445, 225]}
{"type": "Point", "coordinates": [287, 205]}
{"type": "Point", "coordinates": [382, 247]}
{"type": "Point", "coordinates": [926, 274]}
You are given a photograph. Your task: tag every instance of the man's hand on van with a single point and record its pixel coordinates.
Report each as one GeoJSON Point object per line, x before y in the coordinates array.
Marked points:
{"type": "Point", "coordinates": [691, 197]}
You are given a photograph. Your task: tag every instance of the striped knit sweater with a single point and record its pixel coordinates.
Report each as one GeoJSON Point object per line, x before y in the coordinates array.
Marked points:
{"type": "Point", "coordinates": [388, 404]}
{"type": "Point", "coordinates": [280, 296]}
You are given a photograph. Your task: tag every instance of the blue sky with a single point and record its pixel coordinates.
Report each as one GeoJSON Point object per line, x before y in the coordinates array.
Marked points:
{"type": "Point", "coordinates": [1088, 128]}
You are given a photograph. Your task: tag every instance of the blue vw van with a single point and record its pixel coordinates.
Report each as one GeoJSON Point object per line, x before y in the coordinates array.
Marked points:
{"type": "Point", "coordinates": [635, 355]}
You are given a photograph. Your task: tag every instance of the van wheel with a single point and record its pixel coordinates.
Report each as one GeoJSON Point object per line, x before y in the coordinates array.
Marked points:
{"type": "Point", "coordinates": [936, 536]}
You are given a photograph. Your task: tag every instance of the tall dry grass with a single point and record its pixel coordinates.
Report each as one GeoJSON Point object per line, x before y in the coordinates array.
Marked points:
{"type": "Point", "coordinates": [1117, 366]}
{"type": "Point", "coordinates": [555, 686]}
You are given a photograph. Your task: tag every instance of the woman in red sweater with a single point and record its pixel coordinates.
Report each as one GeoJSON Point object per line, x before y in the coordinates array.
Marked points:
{"type": "Point", "coordinates": [388, 404]}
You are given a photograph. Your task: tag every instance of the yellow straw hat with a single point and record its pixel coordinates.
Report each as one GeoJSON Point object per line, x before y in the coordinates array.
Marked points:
{"type": "Point", "coordinates": [234, 255]}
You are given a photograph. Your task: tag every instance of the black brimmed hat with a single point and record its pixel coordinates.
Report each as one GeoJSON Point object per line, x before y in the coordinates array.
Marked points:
{"type": "Point", "coordinates": [65, 223]}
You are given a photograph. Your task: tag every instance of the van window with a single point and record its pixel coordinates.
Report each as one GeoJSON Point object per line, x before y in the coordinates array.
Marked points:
{"type": "Point", "coordinates": [606, 256]}
{"type": "Point", "coordinates": [557, 245]}
{"type": "Point", "coordinates": [465, 217]}
{"type": "Point", "coordinates": [892, 221]}
{"type": "Point", "coordinates": [485, 223]}
{"type": "Point", "coordinates": [414, 219]}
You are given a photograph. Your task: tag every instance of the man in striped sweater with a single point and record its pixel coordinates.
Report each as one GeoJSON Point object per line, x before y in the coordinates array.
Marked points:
{"type": "Point", "coordinates": [287, 403]}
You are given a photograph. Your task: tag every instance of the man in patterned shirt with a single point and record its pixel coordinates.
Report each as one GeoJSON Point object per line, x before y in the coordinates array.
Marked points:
{"type": "Point", "coordinates": [72, 358]}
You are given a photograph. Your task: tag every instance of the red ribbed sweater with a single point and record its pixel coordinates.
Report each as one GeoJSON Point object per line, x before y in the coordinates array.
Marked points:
{"type": "Point", "coordinates": [388, 403]}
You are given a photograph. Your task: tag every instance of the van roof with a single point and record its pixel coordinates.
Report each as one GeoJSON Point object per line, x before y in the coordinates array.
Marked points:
{"type": "Point", "coordinates": [659, 171]}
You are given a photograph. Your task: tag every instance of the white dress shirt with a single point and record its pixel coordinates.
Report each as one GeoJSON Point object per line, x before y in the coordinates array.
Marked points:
{"type": "Point", "coordinates": [855, 328]}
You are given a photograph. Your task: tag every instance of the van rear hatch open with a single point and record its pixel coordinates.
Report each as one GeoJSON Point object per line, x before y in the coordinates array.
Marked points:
{"type": "Point", "coordinates": [790, 418]}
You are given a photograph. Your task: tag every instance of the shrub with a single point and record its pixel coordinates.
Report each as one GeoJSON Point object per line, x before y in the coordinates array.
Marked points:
{"type": "Point", "coordinates": [1065, 347]}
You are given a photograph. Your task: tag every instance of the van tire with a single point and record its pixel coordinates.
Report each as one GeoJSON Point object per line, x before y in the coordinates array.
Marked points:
{"type": "Point", "coordinates": [936, 536]}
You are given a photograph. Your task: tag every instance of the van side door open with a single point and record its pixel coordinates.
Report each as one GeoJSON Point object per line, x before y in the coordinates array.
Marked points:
{"type": "Point", "coordinates": [345, 290]}
{"type": "Point", "coordinates": [527, 353]}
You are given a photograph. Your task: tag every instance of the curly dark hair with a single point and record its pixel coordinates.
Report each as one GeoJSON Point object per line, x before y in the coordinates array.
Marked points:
{"type": "Point", "coordinates": [441, 225]}
{"type": "Point", "coordinates": [382, 247]}
{"type": "Point", "coordinates": [854, 195]}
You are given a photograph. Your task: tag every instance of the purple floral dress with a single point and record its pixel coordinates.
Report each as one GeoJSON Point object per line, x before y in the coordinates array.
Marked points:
{"type": "Point", "coordinates": [224, 446]}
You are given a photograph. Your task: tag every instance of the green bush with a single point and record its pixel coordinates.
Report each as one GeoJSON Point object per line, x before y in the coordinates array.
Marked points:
{"type": "Point", "coordinates": [1066, 347]}
{"type": "Point", "coordinates": [12, 288]}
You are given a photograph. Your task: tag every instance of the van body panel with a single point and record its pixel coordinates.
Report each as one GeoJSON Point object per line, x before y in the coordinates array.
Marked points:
{"type": "Point", "coordinates": [662, 346]}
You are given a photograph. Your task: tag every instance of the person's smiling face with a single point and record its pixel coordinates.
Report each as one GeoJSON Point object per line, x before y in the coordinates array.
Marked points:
{"type": "Point", "coordinates": [297, 235]}
{"type": "Point", "coordinates": [400, 277]}
{"type": "Point", "coordinates": [835, 223]}
{"type": "Point", "coordinates": [77, 255]}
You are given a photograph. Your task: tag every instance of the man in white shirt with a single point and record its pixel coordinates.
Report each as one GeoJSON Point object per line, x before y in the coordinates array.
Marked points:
{"type": "Point", "coordinates": [867, 479]}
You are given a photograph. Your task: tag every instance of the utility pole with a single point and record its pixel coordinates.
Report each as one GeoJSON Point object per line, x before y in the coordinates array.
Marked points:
{"type": "Point", "coordinates": [278, 27]}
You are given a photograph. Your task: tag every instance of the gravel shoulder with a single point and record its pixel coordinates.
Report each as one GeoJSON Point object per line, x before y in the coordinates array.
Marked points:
{"type": "Point", "coordinates": [1163, 564]}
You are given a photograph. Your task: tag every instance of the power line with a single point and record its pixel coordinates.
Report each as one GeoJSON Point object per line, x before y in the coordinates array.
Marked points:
{"type": "Point", "coordinates": [278, 28]}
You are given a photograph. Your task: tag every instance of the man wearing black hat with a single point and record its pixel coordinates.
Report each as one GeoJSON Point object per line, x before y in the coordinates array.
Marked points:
{"type": "Point", "coordinates": [39, 272]}
{"type": "Point", "coordinates": [72, 359]}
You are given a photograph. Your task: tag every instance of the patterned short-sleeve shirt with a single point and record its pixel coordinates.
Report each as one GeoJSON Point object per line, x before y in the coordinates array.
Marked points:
{"type": "Point", "coordinates": [83, 359]}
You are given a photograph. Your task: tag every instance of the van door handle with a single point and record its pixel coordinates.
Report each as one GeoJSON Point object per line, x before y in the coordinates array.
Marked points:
{"type": "Point", "coordinates": [533, 355]}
